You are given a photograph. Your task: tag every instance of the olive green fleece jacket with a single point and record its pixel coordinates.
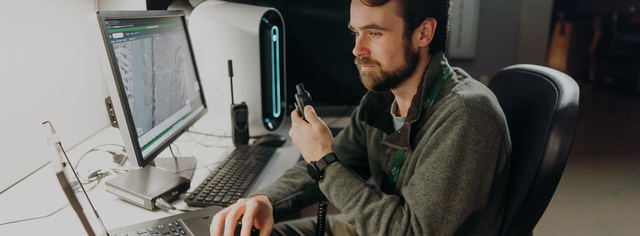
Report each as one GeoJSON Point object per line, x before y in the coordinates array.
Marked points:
{"type": "Point", "coordinates": [454, 175]}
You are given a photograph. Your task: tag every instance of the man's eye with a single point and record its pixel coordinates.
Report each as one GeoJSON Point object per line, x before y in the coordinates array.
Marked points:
{"type": "Point", "coordinates": [374, 34]}
{"type": "Point", "coordinates": [354, 33]}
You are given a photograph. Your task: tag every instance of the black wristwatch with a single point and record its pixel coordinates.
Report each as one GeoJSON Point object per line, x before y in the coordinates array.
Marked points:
{"type": "Point", "coordinates": [316, 168]}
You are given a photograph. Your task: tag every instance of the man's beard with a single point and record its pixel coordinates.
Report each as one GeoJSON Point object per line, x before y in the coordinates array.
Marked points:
{"type": "Point", "coordinates": [380, 80]}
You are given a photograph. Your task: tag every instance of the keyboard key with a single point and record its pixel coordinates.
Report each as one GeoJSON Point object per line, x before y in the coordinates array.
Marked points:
{"type": "Point", "coordinates": [248, 181]}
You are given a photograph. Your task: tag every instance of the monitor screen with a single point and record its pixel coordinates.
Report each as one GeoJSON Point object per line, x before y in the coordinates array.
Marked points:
{"type": "Point", "coordinates": [152, 78]}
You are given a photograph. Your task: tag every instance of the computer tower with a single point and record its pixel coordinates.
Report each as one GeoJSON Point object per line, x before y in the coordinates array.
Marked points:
{"type": "Point", "coordinates": [253, 38]}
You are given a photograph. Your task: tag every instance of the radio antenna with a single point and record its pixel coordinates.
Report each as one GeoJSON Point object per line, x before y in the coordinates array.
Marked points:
{"type": "Point", "coordinates": [230, 64]}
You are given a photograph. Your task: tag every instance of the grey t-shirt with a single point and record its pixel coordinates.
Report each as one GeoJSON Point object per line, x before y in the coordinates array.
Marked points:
{"type": "Point", "coordinates": [398, 121]}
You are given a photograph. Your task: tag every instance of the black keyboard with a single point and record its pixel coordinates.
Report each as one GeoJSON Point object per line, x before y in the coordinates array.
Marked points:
{"type": "Point", "coordinates": [229, 181]}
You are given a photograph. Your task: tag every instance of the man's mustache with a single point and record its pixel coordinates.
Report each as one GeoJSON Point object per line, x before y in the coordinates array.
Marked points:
{"type": "Point", "coordinates": [366, 61]}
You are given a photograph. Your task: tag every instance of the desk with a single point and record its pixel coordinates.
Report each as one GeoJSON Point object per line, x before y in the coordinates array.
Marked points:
{"type": "Point", "coordinates": [40, 194]}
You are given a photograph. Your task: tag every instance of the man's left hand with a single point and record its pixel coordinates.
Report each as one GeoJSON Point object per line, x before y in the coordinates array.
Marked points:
{"type": "Point", "coordinates": [313, 139]}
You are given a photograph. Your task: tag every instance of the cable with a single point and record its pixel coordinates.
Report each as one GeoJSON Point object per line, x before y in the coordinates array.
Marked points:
{"type": "Point", "coordinates": [35, 218]}
{"type": "Point", "coordinates": [173, 154]}
{"type": "Point", "coordinates": [162, 204]}
{"type": "Point", "coordinates": [95, 176]}
{"type": "Point", "coordinates": [220, 136]}
{"type": "Point", "coordinates": [16, 183]}
{"type": "Point", "coordinates": [197, 160]}
{"type": "Point", "coordinates": [119, 157]}
{"type": "Point", "coordinates": [212, 135]}
{"type": "Point", "coordinates": [201, 143]}
{"type": "Point", "coordinates": [95, 149]}
{"type": "Point", "coordinates": [208, 135]}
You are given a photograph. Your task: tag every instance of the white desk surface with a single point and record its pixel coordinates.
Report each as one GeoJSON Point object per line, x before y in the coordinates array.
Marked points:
{"type": "Point", "coordinates": [40, 194]}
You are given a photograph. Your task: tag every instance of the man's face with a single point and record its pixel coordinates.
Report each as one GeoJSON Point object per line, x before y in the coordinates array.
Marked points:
{"type": "Point", "coordinates": [383, 56]}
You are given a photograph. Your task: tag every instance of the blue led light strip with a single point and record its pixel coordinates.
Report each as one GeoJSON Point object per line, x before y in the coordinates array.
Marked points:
{"type": "Point", "coordinates": [275, 71]}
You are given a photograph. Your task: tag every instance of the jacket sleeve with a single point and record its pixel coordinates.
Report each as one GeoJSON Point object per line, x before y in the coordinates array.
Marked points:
{"type": "Point", "coordinates": [296, 190]}
{"type": "Point", "coordinates": [455, 166]}
{"type": "Point", "coordinates": [291, 192]}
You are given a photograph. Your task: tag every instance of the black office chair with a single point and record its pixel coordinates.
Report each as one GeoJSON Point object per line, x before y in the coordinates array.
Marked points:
{"type": "Point", "coordinates": [541, 107]}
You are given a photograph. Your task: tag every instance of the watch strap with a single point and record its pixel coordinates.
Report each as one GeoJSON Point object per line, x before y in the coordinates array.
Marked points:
{"type": "Point", "coordinates": [326, 161]}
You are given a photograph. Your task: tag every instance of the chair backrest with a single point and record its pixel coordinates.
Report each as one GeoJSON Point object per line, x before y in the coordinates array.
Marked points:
{"type": "Point", "coordinates": [541, 107]}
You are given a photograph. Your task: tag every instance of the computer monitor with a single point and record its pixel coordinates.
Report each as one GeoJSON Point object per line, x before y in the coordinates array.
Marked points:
{"type": "Point", "coordinates": [151, 75]}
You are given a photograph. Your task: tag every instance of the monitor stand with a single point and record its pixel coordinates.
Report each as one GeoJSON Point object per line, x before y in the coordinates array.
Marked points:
{"type": "Point", "coordinates": [183, 166]}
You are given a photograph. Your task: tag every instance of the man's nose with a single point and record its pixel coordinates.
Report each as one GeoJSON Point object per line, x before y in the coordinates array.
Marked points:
{"type": "Point", "coordinates": [360, 49]}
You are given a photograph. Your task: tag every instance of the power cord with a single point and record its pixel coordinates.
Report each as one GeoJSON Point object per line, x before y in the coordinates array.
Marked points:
{"type": "Point", "coordinates": [119, 157]}
{"type": "Point", "coordinates": [34, 218]}
{"type": "Point", "coordinates": [162, 204]}
{"type": "Point", "coordinates": [16, 183]}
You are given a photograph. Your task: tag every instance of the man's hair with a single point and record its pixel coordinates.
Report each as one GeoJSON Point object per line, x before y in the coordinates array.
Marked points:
{"type": "Point", "coordinates": [414, 12]}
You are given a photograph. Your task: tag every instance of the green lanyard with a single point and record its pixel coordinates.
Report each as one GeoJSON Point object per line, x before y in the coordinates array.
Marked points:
{"type": "Point", "coordinates": [392, 179]}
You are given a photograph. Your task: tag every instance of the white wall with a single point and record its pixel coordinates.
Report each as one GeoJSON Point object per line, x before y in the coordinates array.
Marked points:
{"type": "Point", "coordinates": [49, 71]}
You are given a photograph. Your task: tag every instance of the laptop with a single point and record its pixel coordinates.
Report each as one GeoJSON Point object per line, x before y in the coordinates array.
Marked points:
{"type": "Point", "coordinates": [193, 223]}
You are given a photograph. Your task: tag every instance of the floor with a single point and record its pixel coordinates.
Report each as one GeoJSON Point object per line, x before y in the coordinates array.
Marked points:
{"type": "Point", "coordinates": [599, 193]}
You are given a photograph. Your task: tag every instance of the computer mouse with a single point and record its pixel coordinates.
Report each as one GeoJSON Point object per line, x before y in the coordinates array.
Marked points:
{"type": "Point", "coordinates": [270, 140]}
{"type": "Point", "coordinates": [238, 229]}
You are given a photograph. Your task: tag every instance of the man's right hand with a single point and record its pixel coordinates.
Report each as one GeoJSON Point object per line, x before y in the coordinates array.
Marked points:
{"type": "Point", "coordinates": [255, 212]}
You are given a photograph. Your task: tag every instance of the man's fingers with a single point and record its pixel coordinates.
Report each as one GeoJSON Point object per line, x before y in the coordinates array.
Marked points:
{"type": "Point", "coordinates": [249, 216]}
{"type": "Point", "coordinates": [266, 231]}
{"type": "Point", "coordinates": [218, 221]}
{"type": "Point", "coordinates": [247, 222]}
{"type": "Point", "coordinates": [311, 116]}
{"type": "Point", "coordinates": [295, 117]}
{"type": "Point", "coordinates": [232, 219]}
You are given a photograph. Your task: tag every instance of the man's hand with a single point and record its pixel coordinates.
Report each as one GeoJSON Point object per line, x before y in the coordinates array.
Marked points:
{"type": "Point", "coordinates": [255, 211]}
{"type": "Point", "coordinates": [313, 139]}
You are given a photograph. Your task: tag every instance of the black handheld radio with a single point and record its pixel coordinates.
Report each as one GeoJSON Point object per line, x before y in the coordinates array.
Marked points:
{"type": "Point", "coordinates": [303, 98]}
{"type": "Point", "coordinates": [239, 116]}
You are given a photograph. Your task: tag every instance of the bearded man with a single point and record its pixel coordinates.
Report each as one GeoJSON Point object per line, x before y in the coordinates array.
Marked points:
{"type": "Point", "coordinates": [433, 140]}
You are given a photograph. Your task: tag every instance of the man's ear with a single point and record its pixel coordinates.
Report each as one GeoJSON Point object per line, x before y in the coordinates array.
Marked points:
{"type": "Point", "coordinates": [425, 32]}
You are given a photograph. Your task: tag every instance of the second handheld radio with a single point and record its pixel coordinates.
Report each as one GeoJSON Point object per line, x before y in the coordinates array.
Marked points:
{"type": "Point", "coordinates": [239, 116]}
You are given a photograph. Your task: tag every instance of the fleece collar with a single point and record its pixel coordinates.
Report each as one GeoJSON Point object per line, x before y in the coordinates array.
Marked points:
{"type": "Point", "coordinates": [375, 107]}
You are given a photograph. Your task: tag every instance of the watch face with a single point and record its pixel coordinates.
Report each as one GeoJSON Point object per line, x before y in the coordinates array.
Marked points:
{"type": "Point", "coordinates": [313, 171]}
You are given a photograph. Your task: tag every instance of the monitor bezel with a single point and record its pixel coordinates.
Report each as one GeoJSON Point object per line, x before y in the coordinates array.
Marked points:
{"type": "Point", "coordinates": [116, 89]}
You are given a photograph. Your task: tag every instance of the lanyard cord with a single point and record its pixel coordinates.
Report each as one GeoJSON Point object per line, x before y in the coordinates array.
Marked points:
{"type": "Point", "coordinates": [390, 186]}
